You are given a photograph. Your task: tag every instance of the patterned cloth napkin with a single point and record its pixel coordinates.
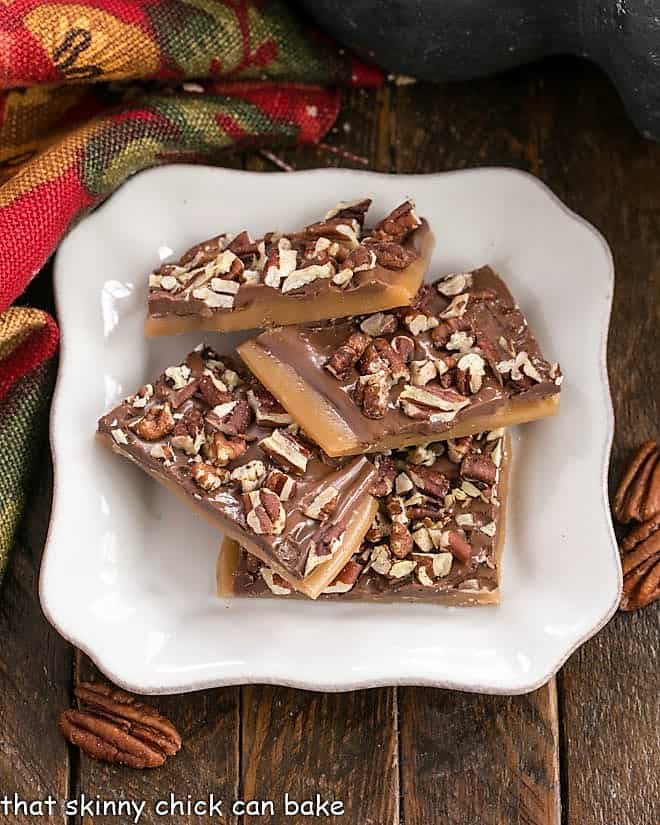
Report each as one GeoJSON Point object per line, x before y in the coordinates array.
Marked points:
{"type": "Point", "coordinates": [96, 90]}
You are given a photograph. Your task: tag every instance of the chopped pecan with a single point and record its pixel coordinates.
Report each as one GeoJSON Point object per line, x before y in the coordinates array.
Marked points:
{"type": "Point", "coordinates": [280, 263]}
{"type": "Point", "coordinates": [380, 529]}
{"type": "Point", "coordinates": [250, 476]}
{"type": "Point", "coordinates": [423, 371]}
{"type": "Point", "coordinates": [350, 210]}
{"type": "Point", "coordinates": [452, 285]}
{"type": "Point", "coordinates": [458, 448]}
{"type": "Point", "coordinates": [212, 390]}
{"type": "Point", "coordinates": [398, 224]}
{"type": "Point", "coordinates": [208, 477]}
{"type": "Point", "coordinates": [188, 432]}
{"type": "Point", "coordinates": [230, 417]}
{"type": "Point", "coordinates": [361, 259]}
{"type": "Point", "coordinates": [418, 321]}
{"type": "Point", "coordinates": [401, 541]}
{"type": "Point", "coordinates": [392, 255]}
{"type": "Point", "coordinates": [372, 393]}
{"type": "Point", "coordinates": [280, 483]}
{"type": "Point", "coordinates": [443, 332]}
{"type": "Point", "coordinates": [431, 482]}
{"type": "Point", "coordinates": [157, 422]}
{"type": "Point", "coordinates": [386, 472]}
{"type": "Point", "coordinates": [286, 450]}
{"type": "Point", "coordinates": [638, 494]}
{"type": "Point", "coordinates": [267, 410]}
{"type": "Point", "coordinates": [264, 512]}
{"type": "Point", "coordinates": [477, 467]}
{"type": "Point", "coordinates": [396, 510]}
{"type": "Point", "coordinates": [470, 370]}
{"type": "Point", "coordinates": [371, 361]}
{"type": "Point", "coordinates": [640, 560]}
{"type": "Point", "coordinates": [221, 450]}
{"type": "Point", "coordinates": [405, 346]}
{"type": "Point", "coordinates": [458, 546]}
{"type": "Point", "coordinates": [398, 369]}
{"type": "Point", "coordinates": [113, 726]}
{"type": "Point", "coordinates": [345, 357]}
{"type": "Point", "coordinates": [323, 505]}
{"type": "Point", "coordinates": [433, 403]}
{"type": "Point", "coordinates": [205, 252]}
{"type": "Point", "coordinates": [346, 579]}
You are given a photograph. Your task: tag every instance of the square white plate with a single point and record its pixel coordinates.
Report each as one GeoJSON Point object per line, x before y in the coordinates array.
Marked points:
{"type": "Point", "coordinates": [128, 572]}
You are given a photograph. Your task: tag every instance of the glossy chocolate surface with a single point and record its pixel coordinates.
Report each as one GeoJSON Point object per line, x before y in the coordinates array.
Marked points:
{"type": "Point", "coordinates": [197, 393]}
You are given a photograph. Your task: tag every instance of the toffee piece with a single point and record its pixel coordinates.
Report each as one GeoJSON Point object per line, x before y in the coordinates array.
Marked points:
{"type": "Point", "coordinates": [329, 269]}
{"type": "Point", "coordinates": [459, 360]}
{"type": "Point", "coordinates": [212, 434]}
{"type": "Point", "coordinates": [438, 534]}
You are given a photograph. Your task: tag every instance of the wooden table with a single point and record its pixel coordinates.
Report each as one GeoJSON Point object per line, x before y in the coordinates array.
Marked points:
{"type": "Point", "coordinates": [583, 750]}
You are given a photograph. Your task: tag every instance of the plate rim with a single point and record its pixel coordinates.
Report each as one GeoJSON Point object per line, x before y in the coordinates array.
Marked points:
{"type": "Point", "coordinates": [208, 682]}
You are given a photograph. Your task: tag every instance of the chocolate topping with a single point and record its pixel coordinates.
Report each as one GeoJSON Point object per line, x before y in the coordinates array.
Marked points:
{"type": "Point", "coordinates": [227, 273]}
{"type": "Point", "coordinates": [472, 351]}
{"type": "Point", "coordinates": [437, 530]}
{"type": "Point", "coordinates": [196, 429]}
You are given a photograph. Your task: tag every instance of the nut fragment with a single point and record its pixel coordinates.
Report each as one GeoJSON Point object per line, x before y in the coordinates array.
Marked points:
{"type": "Point", "coordinates": [268, 412]}
{"type": "Point", "coordinates": [285, 449]}
{"type": "Point", "coordinates": [188, 432]}
{"type": "Point", "coordinates": [422, 402]}
{"type": "Point", "coordinates": [264, 512]}
{"type": "Point", "coordinates": [208, 477]}
{"type": "Point", "coordinates": [323, 505]}
{"type": "Point", "coordinates": [433, 483]}
{"type": "Point", "coordinates": [345, 357]}
{"type": "Point", "coordinates": [156, 423]}
{"type": "Point", "coordinates": [454, 284]}
{"type": "Point", "coordinates": [113, 726]}
{"type": "Point", "coordinates": [250, 476]}
{"type": "Point", "coordinates": [372, 393]}
{"type": "Point", "coordinates": [280, 483]}
{"type": "Point", "coordinates": [401, 541]}
{"type": "Point", "coordinates": [477, 467]}
{"type": "Point", "coordinates": [399, 224]}
{"type": "Point", "coordinates": [221, 451]}
{"type": "Point", "coordinates": [385, 475]}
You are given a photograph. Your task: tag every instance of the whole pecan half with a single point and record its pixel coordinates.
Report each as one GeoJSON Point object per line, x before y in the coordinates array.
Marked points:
{"type": "Point", "coordinates": [115, 727]}
{"type": "Point", "coordinates": [640, 560]}
{"type": "Point", "coordinates": [638, 495]}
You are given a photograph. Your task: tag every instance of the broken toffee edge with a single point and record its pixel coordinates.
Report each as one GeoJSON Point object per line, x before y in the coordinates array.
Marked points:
{"type": "Point", "coordinates": [262, 313]}
{"type": "Point", "coordinates": [228, 562]}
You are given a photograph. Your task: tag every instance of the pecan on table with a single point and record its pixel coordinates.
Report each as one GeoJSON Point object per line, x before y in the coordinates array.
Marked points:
{"type": "Point", "coordinates": [640, 560]}
{"type": "Point", "coordinates": [638, 495]}
{"type": "Point", "coordinates": [113, 726]}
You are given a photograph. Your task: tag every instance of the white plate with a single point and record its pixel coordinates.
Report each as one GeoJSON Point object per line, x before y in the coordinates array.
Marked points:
{"type": "Point", "coordinates": [128, 572]}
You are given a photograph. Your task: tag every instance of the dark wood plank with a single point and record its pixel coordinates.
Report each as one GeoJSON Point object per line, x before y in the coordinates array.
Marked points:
{"type": "Point", "coordinates": [485, 759]}
{"type": "Point", "coordinates": [208, 762]}
{"type": "Point", "coordinates": [35, 673]}
{"type": "Point", "coordinates": [342, 746]}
